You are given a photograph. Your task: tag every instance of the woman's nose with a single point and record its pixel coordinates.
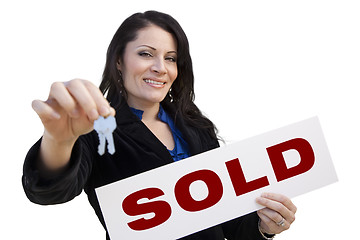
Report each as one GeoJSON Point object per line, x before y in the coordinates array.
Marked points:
{"type": "Point", "coordinates": [159, 66]}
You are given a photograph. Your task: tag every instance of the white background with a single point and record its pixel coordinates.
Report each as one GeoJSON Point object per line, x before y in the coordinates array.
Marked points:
{"type": "Point", "coordinates": [259, 65]}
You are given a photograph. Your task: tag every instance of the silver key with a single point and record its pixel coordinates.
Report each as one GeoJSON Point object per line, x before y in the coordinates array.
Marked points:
{"type": "Point", "coordinates": [102, 143]}
{"type": "Point", "coordinates": [110, 140]}
{"type": "Point", "coordinates": [105, 127]}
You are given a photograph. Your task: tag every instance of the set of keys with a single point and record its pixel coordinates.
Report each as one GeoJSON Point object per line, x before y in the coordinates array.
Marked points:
{"type": "Point", "coordinates": [105, 128]}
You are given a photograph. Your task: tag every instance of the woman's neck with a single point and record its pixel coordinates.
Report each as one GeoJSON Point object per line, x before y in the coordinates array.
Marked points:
{"type": "Point", "coordinates": [150, 111]}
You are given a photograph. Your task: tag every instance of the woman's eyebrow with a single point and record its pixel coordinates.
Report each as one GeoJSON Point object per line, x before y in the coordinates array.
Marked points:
{"type": "Point", "coordinates": [147, 46]}
{"type": "Point", "coordinates": [144, 45]}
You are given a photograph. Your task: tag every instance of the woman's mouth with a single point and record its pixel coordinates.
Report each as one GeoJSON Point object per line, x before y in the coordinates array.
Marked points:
{"type": "Point", "coordinates": [154, 83]}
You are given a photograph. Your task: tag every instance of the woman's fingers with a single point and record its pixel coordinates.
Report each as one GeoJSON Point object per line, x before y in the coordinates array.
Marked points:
{"type": "Point", "coordinates": [59, 95]}
{"type": "Point", "coordinates": [82, 96]}
{"type": "Point", "coordinates": [77, 96]}
{"type": "Point", "coordinates": [273, 219]}
{"type": "Point", "coordinates": [102, 104]}
{"type": "Point", "coordinates": [44, 110]}
{"type": "Point", "coordinates": [282, 199]}
{"type": "Point", "coordinates": [279, 203]}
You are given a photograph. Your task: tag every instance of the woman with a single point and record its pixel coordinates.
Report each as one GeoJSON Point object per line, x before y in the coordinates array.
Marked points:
{"type": "Point", "coordinates": [148, 80]}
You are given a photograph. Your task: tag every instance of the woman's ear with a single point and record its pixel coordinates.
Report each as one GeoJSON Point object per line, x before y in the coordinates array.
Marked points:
{"type": "Point", "coordinates": [118, 65]}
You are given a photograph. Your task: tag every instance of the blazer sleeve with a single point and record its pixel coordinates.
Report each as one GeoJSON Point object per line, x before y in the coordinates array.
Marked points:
{"type": "Point", "coordinates": [44, 187]}
{"type": "Point", "coordinates": [244, 228]}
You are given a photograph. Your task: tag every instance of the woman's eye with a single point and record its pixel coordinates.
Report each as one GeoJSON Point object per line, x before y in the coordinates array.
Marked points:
{"type": "Point", "coordinates": [171, 59]}
{"type": "Point", "coordinates": [145, 54]}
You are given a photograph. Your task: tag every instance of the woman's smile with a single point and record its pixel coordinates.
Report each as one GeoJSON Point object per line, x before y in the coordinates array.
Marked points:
{"type": "Point", "coordinates": [155, 83]}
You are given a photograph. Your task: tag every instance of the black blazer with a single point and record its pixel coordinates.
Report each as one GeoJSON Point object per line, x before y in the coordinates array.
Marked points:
{"type": "Point", "coordinates": [137, 151]}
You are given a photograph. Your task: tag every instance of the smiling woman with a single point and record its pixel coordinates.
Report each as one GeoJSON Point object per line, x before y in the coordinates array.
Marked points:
{"type": "Point", "coordinates": [149, 67]}
{"type": "Point", "coordinates": [149, 82]}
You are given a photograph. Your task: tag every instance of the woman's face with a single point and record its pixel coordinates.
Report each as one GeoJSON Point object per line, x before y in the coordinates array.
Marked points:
{"type": "Point", "coordinates": [149, 66]}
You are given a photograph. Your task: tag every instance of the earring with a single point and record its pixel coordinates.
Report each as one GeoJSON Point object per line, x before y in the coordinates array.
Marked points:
{"type": "Point", "coordinates": [120, 75]}
{"type": "Point", "coordinates": [120, 81]}
{"type": "Point", "coordinates": [170, 95]}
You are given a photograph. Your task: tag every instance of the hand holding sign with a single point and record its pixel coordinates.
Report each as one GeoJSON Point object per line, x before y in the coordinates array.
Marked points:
{"type": "Point", "coordinates": [278, 214]}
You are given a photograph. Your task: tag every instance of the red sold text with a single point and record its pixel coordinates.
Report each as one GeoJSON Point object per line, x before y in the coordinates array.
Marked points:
{"type": "Point", "coordinates": [162, 209]}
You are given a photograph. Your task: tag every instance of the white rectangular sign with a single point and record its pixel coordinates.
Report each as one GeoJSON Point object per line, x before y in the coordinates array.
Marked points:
{"type": "Point", "coordinates": [190, 195]}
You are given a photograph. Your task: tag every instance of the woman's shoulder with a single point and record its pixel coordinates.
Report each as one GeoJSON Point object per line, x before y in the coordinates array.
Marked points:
{"type": "Point", "coordinates": [200, 138]}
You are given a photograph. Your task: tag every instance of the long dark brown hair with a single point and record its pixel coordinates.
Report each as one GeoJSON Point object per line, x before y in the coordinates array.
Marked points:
{"type": "Point", "coordinates": [183, 87]}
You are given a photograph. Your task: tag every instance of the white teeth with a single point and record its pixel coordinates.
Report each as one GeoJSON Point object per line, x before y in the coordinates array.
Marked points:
{"type": "Point", "coordinates": [153, 82]}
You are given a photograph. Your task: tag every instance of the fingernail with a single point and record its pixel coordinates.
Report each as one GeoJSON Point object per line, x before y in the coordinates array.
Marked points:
{"type": "Point", "coordinates": [260, 200]}
{"type": "Point", "coordinates": [104, 111]}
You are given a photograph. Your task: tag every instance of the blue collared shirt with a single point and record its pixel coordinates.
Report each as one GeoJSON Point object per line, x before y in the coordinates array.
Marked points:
{"type": "Point", "coordinates": [181, 149]}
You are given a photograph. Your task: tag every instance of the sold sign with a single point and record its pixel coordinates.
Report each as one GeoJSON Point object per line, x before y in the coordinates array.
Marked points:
{"type": "Point", "coordinates": [199, 192]}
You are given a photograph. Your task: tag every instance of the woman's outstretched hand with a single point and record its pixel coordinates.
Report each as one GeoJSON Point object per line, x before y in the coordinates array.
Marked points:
{"type": "Point", "coordinates": [69, 112]}
{"type": "Point", "coordinates": [278, 214]}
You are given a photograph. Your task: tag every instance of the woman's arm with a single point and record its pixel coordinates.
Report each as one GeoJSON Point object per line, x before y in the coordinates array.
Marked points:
{"type": "Point", "coordinates": [56, 167]}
